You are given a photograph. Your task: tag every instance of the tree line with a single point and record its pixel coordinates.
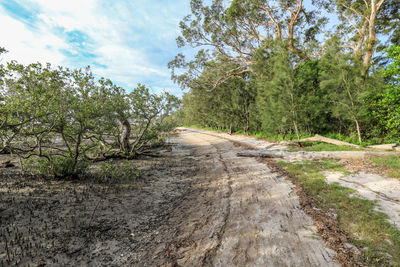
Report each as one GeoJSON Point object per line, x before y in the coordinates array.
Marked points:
{"type": "Point", "coordinates": [279, 68]}
{"type": "Point", "coordinates": [57, 121]}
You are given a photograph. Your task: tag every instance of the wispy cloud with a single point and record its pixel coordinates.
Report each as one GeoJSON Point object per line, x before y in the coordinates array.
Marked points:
{"type": "Point", "coordinates": [128, 41]}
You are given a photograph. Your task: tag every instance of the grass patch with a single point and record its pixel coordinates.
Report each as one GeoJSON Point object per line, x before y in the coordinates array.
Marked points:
{"type": "Point", "coordinates": [391, 164]}
{"type": "Point", "coordinates": [330, 165]}
{"type": "Point", "coordinates": [207, 128]}
{"type": "Point", "coordinates": [266, 136]}
{"type": "Point", "coordinates": [277, 137]}
{"type": "Point", "coordinates": [328, 147]}
{"type": "Point", "coordinates": [320, 146]}
{"type": "Point", "coordinates": [379, 242]}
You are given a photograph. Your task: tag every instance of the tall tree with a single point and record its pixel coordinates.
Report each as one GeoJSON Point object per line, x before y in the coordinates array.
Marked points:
{"type": "Point", "coordinates": [277, 92]}
{"type": "Point", "coordinates": [234, 30]}
{"type": "Point", "coordinates": [363, 20]}
{"type": "Point", "coordinates": [345, 87]}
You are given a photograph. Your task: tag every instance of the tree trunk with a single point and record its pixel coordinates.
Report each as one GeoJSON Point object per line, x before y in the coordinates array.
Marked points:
{"type": "Point", "coordinates": [296, 129]}
{"type": "Point", "coordinates": [124, 137]}
{"type": "Point", "coordinates": [360, 43]}
{"type": "Point", "coordinates": [358, 130]}
{"type": "Point", "coordinates": [371, 41]}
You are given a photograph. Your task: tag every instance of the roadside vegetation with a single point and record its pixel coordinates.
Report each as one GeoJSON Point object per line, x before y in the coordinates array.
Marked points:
{"type": "Point", "coordinates": [390, 164]}
{"type": "Point", "coordinates": [377, 240]}
{"type": "Point", "coordinates": [321, 147]}
{"type": "Point", "coordinates": [279, 70]}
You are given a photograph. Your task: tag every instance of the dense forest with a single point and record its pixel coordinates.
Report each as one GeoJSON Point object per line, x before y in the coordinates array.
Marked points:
{"type": "Point", "coordinates": [282, 69]}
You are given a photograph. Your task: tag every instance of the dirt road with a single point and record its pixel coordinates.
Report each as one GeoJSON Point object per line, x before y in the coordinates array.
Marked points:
{"type": "Point", "coordinates": [197, 204]}
{"type": "Point", "coordinates": [239, 213]}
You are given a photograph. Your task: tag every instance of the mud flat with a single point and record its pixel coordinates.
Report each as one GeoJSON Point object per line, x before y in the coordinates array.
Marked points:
{"type": "Point", "coordinates": [53, 223]}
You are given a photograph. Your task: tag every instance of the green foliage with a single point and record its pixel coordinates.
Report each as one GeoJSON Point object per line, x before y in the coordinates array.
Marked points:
{"type": "Point", "coordinates": [56, 166]}
{"type": "Point", "coordinates": [392, 71]}
{"type": "Point", "coordinates": [233, 31]}
{"type": "Point", "coordinates": [384, 106]}
{"type": "Point", "coordinates": [224, 106]}
{"type": "Point", "coordinates": [325, 147]}
{"type": "Point", "coordinates": [289, 98]}
{"type": "Point", "coordinates": [149, 113]}
{"type": "Point", "coordinates": [391, 163]}
{"type": "Point", "coordinates": [344, 86]}
{"type": "Point", "coordinates": [328, 96]}
{"type": "Point", "coordinates": [118, 172]}
{"type": "Point", "coordinates": [57, 120]}
{"type": "Point", "coordinates": [276, 97]}
{"type": "Point", "coordinates": [260, 67]}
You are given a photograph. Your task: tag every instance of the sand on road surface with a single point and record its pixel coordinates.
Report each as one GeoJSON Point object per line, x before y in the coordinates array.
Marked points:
{"type": "Point", "coordinates": [196, 203]}
{"type": "Point", "coordinates": [240, 213]}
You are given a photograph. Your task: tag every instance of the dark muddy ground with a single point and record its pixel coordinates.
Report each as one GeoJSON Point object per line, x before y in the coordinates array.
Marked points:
{"type": "Point", "coordinates": [92, 222]}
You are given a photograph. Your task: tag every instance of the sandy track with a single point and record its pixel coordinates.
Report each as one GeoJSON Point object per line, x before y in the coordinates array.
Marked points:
{"type": "Point", "coordinates": [197, 205]}
{"type": "Point", "coordinates": [382, 190]}
{"type": "Point", "coordinates": [240, 213]}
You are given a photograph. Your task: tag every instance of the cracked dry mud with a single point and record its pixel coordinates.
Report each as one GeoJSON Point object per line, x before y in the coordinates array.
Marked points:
{"type": "Point", "coordinates": [197, 205]}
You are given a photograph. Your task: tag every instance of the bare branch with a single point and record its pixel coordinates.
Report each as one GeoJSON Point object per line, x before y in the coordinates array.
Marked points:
{"type": "Point", "coordinates": [227, 77]}
{"type": "Point", "coordinates": [352, 23]}
{"type": "Point", "coordinates": [355, 11]}
{"type": "Point", "coordinates": [279, 30]}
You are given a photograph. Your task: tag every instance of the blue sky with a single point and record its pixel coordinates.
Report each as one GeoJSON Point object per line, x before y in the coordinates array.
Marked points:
{"type": "Point", "coordinates": [127, 41]}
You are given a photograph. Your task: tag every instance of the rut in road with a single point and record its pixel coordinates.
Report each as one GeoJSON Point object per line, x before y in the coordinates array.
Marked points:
{"type": "Point", "coordinates": [240, 213]}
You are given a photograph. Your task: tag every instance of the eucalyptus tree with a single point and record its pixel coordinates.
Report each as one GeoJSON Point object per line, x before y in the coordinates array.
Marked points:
{"type": "Point", "coordinates": [227, 105]}
{"type": "Point", "coordinates": [361, 23]}
{"type": "Point", "coordinates": [233, 31]}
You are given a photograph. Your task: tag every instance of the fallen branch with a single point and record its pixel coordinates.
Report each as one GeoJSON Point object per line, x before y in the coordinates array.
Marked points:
{"type": "Point", "coordinates": [383, 147]}
{"type": "Point", "coordinates": [315, 155]}
{"type": "Point", "coordinates": [319, 138]}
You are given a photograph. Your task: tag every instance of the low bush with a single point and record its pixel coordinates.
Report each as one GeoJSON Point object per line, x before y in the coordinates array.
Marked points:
{"type": "Point", "coordinates": [58, 120]}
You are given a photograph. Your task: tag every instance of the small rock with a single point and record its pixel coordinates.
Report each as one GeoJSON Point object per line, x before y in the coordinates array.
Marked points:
{"type": "Point", "coordinates": [351, 246]}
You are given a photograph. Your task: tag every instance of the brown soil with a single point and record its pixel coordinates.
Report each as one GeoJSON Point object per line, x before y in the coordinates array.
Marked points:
{"type": "Point", "coordinates": [367, 166]}
{"type": "Point", "coordinates": [197, 205]}
{"type": "Point", "coordinates": [53, 223]}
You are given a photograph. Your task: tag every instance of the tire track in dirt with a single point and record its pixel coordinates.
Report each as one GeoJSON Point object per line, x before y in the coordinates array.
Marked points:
{"type": "Point", "coordinates": [211, 254]}
{"type": "Point", "coordinates": [242, 214]}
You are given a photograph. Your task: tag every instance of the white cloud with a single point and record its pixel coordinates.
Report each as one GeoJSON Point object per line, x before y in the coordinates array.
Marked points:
{"type": "Point", "coordinates": [133, 39]}
{"type": "Point", "coordinates": [26, 45]}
